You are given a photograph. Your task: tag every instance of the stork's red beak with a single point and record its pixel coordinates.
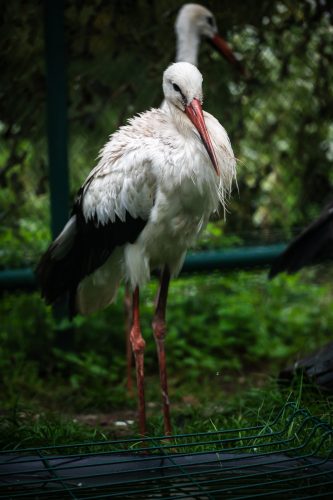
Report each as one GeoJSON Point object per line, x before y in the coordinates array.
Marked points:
{"type": "Point", "coordinates": [195, 114]}
{"type": "Point", "coordinates": [221, 45]}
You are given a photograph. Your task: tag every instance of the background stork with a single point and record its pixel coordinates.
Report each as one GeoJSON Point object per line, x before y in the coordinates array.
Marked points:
{"type": "Point", "coordinates": [193, 23]}
{"type": "Point", "coordinates": [157, 182]}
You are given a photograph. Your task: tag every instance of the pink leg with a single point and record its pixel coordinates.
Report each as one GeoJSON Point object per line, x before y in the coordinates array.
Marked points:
{"type": "Point", "coordinates": [128, 325]}
{"type": "Point", "coordinates": [138, 346]}
{"type": "Point", "coordinates": [159, 329]}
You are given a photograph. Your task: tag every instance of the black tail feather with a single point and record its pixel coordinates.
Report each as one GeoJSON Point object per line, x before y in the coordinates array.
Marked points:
{"type": "Point", "coordinates": [55, 277]}
{"type": "Point", "coordinates": [313, 244]}
{"type": "Point", "coordinates": [79, 250]}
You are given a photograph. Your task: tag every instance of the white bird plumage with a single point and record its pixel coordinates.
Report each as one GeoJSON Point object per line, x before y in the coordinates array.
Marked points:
{"type": "Point", "coordinates": [156, 168]}
{"type": "Point", "coordinates": [145, 203]}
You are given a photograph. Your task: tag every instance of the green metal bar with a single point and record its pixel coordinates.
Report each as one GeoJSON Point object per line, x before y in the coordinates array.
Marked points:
{"type": "Point", "coordinates": [233, 258]}
{"type": "Point", "coordinates": [17, 278]}
{"type": "Point", "coordinates": [57, 130]}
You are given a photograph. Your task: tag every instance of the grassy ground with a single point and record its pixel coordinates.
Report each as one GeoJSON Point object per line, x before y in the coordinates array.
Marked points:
{"type": "Point", "coordinates": [35, 425]}
{"type": "Point", "coordinates": [228, 337]}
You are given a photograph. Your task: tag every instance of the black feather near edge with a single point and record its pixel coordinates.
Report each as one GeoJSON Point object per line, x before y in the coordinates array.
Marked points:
{"type": "Point", "coordinates": [314, 243]}
{"type": "Point", "coordinates": [93, 244]}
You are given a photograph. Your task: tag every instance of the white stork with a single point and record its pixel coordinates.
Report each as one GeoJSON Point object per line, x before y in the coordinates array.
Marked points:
{"type": "Point", "coordinates": [158, 180]}
{"type": "Point", "coordinates": [193, 23]}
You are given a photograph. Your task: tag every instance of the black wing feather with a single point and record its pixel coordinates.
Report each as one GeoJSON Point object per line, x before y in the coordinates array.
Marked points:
{"type": "Point", "coordinates": [314, 243]}
{"type": "Point", "coordinates": [92, 244]}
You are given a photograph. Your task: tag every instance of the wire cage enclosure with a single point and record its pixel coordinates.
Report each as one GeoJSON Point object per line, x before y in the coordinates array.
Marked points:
{"type": "Point", "coordinates": [289, 457]}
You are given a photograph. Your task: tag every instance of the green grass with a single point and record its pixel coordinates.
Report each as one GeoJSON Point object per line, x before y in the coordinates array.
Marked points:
{"type": "Point", "coordinates": [32, 425]}
{"type": "Point", "coordinates": [228, 337]}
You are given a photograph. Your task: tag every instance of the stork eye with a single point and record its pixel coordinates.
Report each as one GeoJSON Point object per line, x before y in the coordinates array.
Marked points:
{"type": "Point", "coordinates": [176, 88]}
{"type": "Point", "coordinates": [210, 20]}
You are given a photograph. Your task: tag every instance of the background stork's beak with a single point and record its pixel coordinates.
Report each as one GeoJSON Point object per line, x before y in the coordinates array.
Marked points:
{"type": "Point", "coordinates": [195, 114]}
{"type": "Point", "coordinates": [221, 45]}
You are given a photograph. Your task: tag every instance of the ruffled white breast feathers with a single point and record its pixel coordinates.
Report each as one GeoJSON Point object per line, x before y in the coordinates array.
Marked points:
{"type": "Point", "coordinates": [158, 169]}
{"type": "Point", "coordinates": [155, 152]}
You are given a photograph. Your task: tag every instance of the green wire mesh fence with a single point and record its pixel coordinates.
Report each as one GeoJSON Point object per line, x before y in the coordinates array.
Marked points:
{"type": "Point", "coordinates": [289, 457]}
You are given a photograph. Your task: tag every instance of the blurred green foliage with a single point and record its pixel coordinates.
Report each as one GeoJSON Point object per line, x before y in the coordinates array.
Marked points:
{"type": "Point", "coordinates": [279, 119]}
{"type": "Point", "coordinates": [217, 326]}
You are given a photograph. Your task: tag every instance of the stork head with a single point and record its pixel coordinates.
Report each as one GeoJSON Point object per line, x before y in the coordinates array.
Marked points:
{"type": "Point", "coordinates": [195, 19]}
{"type": "Point", "coordinates": [182, 87]}
{"type": "Point", "coordinates": [198, 18]}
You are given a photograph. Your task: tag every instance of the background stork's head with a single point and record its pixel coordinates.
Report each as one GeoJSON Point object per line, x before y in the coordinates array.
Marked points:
{"type": "Point", "coordinates": [182, 86]}
{"type": "Point", "coordinates": [193, 22]}
{"type": "Point", "coordinates": [196, 17]}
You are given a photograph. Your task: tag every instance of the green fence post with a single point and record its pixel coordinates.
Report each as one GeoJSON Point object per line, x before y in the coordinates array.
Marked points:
{"type": "Point", "coordinates": [57, 126]}
{"type": "Point", "coordinates": [57, 134]}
